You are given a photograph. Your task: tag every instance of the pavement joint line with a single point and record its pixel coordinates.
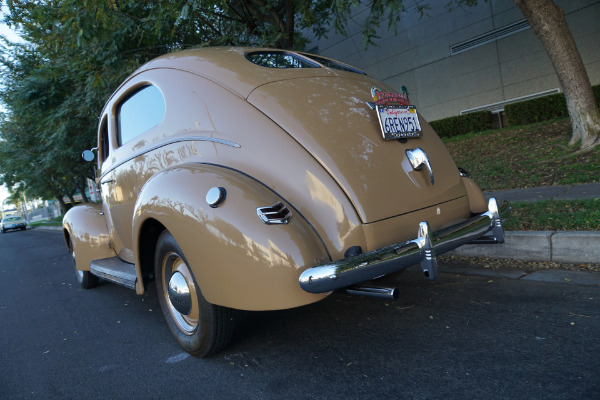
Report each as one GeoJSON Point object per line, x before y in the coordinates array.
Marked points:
{"type": "Point", "coordinates": [551, 245]}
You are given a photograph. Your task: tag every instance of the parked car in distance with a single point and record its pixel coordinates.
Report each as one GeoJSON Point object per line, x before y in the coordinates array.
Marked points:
{"type": "Point", "coordinates": [13, 222]}
{"type": "Point", "coordinates": [261, 179]}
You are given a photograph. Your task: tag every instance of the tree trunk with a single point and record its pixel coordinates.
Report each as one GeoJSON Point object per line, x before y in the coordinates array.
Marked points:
{"type": "Point", "coordinates": [81, 189]}
{"type": "Point", "coordinates": [549, 24]}
{"type": "Point", "coordinates": [63, 206]}
{"type": "Point", "coordinates": [290, 11]}
{"type": "Point", "coordinates": [71, 198]}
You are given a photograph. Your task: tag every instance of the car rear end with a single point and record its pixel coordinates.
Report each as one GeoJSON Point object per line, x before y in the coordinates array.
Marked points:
{"type": "Point", "coordinates": [411, 198]}
{"type": "Point", "coordinates": [348, 154]}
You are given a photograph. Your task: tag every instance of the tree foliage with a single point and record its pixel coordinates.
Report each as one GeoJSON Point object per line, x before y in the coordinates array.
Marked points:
{"type": "Point", "coordinates": [76, 52]}
{"type": "Point", "coordinates": [55, 83]}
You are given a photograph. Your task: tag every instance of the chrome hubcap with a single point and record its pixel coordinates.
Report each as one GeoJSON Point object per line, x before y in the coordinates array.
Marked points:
{"type": "Point", "coordinates": [179, 292]}
{"type": "Point", "coordinates": [78, 273]}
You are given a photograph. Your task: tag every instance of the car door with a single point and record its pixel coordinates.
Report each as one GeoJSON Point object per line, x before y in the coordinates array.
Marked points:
{"type": "Point", "coordinates": [132, 114]}
{"type": "Point", "coordinates": [106, 177]}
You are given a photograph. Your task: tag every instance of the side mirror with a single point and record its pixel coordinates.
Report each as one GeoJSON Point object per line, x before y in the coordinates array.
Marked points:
{"type": "Point", "coordinates": [88, 155]}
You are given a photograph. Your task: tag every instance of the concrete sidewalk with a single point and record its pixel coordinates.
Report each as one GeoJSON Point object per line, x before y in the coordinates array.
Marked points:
{"type": "Point", "coordinates": [567, 192]}
{"type": "Point", "coordinates": [581, 247]}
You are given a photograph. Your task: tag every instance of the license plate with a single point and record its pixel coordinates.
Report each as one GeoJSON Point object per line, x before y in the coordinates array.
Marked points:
{"type": "Point", "coordinates": [398, 122]}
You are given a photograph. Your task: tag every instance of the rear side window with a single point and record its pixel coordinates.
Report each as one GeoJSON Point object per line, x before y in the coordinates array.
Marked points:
{"type": "Point", "coordinates": [142, 110]}
{"type": "Point", "coordinates": [103, 150]}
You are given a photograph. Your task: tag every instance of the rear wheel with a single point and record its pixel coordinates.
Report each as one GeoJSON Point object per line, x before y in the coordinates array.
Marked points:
{"type": "Point", "coordinates": [200, 327]}
{"type": "Point", "coordinates": [86, 279]}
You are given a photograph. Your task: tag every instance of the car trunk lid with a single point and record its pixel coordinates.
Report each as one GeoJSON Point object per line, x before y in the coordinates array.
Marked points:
{"type": "Point", "coordinates": [330, 118]}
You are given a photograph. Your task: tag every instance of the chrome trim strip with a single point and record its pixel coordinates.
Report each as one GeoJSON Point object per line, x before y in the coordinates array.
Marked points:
{"type": "Point", "coordinates": [172, 141]}
{"type": "Point", "coordinates": [367, 266]}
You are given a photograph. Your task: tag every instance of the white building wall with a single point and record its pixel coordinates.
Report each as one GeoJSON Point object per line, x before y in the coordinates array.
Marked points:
{"type": "Point", "coordinates": [443, 85]}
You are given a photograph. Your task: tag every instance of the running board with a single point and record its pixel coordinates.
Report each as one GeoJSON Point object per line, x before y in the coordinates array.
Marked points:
{"type": "Point", "coordinates": [115, 270]}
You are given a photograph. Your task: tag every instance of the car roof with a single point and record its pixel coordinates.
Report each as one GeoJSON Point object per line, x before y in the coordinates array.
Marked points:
{"type": "Point", "coordinates": [229, 67]}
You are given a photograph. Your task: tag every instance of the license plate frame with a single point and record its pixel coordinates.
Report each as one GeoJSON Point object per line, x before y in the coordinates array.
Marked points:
{"type": "Point", "coordinates": [398, 121]}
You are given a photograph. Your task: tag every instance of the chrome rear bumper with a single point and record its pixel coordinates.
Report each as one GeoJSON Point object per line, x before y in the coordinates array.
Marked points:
{"type": "Point", "coordinates": [483, 228]}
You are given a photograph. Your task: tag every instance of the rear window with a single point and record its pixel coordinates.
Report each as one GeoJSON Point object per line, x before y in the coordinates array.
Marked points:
{"type": "Point", "coordinates": [286, 59]}
{"type": "Point", "coordinates": [279, 59]}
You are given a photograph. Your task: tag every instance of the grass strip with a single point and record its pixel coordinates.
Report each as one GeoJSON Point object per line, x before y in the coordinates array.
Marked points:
{"type": "Point", "coordinates": [526, 156]}
{"type": "Point", "coordinates": [57, 221]}
{"type": "Point", "coordinates": [555, 215]}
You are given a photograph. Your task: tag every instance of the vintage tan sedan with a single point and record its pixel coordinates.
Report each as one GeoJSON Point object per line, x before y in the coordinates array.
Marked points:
{"type": "Point", "coordinates": [258, 179]}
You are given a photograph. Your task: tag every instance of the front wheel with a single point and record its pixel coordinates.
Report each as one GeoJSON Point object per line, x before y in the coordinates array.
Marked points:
{"type": "Point", "coordinates": [200, 327]}
{"type": "Point", "coordinates": [85, 278]}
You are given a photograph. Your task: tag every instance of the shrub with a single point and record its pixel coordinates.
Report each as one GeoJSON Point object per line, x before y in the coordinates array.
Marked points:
{"type": "Point", "coordinates": [540, 109]}
{"type": "Point", "coordinates": [536, 110]}
{"type": "Point", "coordinates": [459, 125]}
{"type": "Point", "coordinates": [525, 112]}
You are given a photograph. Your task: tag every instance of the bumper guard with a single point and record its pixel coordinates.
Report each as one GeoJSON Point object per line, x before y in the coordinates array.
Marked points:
{"type": "Point", "coordinates": [482, 228]}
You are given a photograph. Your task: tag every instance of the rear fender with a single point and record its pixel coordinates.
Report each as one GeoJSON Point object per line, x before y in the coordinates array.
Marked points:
{"type": "Point", "coordinates": [86, 228]}
{"type": "Point", "coordinates": [477, 202]}
{"type": "Point", "coordinates": [237, 259]}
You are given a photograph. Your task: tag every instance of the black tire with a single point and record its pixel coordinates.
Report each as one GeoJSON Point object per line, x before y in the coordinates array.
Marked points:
{"type": "Point", "coordinates": [200, 327]}
{"type": "Point", "coordinates": [85, 278]}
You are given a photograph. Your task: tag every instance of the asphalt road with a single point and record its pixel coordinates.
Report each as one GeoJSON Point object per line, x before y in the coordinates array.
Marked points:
{"type": "Point", "coordinates": [456, 338]}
